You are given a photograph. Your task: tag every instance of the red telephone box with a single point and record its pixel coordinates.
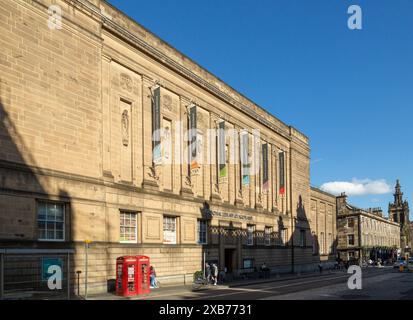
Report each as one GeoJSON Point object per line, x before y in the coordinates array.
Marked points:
{"type": "Point", "coordinates": [126, 275]}
{"type": "Point", "coordinates": [143, 275]}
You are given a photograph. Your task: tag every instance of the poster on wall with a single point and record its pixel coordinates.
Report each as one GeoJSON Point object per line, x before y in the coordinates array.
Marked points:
{"type": "Point", "coordinates": [244, 159]}
{"type": "Point", "coordinates": [282, 172]}
{"type": "Point", "coordinates": [167, 142]}
{"type": "Point", "coordinates": [156, 126]}
{"type": "Point", "coordinates": [169, 237]}
{"type": "Point", "coordinates": [196, 168]}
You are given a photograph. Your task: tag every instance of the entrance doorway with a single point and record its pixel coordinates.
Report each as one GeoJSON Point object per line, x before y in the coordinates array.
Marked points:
{"type": "Point", "coordinates": [229, 261]}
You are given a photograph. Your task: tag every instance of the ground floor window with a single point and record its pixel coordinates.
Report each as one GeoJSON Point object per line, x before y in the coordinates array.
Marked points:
{"type": "Point", "coordinates": [250, 235]}
{"type": "Point", "coordinates": [302, 238]}
{"type": "Point", "coordinates": [51, 221]}
{"type": "Point", "coordinates": [350, 239]}
{"type": "Point", "coordinates": [314, 243]}
{"type": "Point", "coordinates": [128, 227]}
{"type": "Point", "coordinates": [169, 230]}
{"type": "Point", "coordinates": [284, 237]}
{"type": "Point", "coordinates": [248, 263]}
{"type": "Point", "coordinates": [267, 235]}
{"type": "Point", "coordinates": [202, 231]}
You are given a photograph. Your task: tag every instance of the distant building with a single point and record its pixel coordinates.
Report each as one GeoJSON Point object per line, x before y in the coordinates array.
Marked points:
{"type": "Point", "coordinates": [322, 220]}
{"type": "Point", "coordinates": [399, 212]}
{"type": "Point", "coordinates": [365, 234]}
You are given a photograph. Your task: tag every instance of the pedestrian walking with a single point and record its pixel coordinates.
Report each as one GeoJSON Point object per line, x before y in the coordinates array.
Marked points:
{"type": "Point", "coordinates": [320, 267]}
{"type": "Point", "coordinates": [152, 273]}
{"type": "Point", "coordinates": [208, 272]}
{"type": "Point", "coordinates": [215, 273]}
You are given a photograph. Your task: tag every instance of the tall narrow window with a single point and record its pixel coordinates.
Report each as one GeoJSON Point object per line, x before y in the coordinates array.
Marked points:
{"type": "Point", "coordinates": [169, 230]}
{"type": "Point", "coordinates": [302, 238]}
{"type": "Point", "coordinates": [284, 237]}
{"type": "Point", "coordinates": [314, 244]}
{"type": "Point", "coordinates": [330, 243]}
{"type": "Point", "coordinates": [250, 235]}
{"type": "Point", "coordinates": [267, 235]}
{"type": "Point", "coordinates": [51, 221]}
{"type": "Point", "coordinates": [128, 227]}
{"type": "Point", "coordinates": [202, 231]}
{"type": "Point", "coordinates": [350, 239]}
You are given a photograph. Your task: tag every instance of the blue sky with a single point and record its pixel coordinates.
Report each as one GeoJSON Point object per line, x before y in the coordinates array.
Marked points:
{"type": "Point", "coordinates": [350, 91]}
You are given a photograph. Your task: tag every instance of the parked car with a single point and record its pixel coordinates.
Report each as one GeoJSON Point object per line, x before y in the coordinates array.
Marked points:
{"type": "Point", "coordinates": [400, 262]}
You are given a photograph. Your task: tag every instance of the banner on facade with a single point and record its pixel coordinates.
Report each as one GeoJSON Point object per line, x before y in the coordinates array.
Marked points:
{"type": "Point", "coordinates": [282, 172]}
{"type": "Point", "coordinates": [156, 126]}
{"type": "Point", "coordinates": [193, 141]}
{"type": "Point", "coordinates": [196, 168]}
{"type": "Point", "coordinates": [265, 175]}
{"type": "Point", "coordinates": [222, 162]}
{"type": "Point", "coordinates": [244, 159]}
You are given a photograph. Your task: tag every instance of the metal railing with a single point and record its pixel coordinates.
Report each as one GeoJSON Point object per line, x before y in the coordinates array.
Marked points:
{"type": "Point", "coordinates": [25, 273]}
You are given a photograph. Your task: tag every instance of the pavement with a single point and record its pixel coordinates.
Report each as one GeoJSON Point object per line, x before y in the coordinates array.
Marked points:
{"type": "Point", "coordinates": [187, 291]}
{"type": "Point", "coordinates": [377, 283]}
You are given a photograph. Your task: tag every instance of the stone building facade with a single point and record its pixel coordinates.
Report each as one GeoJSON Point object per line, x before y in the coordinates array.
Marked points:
{"type": "Point", "coordinates": [323, 226]}
{"type": "Point", "coordinates": [79, 104]}
{"type": "Point", "coordinates": [365, 234]}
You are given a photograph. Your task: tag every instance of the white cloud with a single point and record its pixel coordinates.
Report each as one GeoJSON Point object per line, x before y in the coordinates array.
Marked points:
{"type": "Point", "coordinates": [357, 187]}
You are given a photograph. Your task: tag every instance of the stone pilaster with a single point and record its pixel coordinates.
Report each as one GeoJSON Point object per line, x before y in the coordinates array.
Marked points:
{"type": "Point", "coordinates": [150, 176]}
{"type": "Point", "coordinates": [238, 176]}
{"type": "Point", "coordinates": [106, 114]}
{"type": "Point", "coordinates": [186, 182]}
{"type": "Point", "coordinates": [215, 192]}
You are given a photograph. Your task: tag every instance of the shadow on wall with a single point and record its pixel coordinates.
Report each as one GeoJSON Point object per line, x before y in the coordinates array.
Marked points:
{"type": "Point", "coordinates": [306, 253]}
{"type": "Point", "coordinates": [23, 186]}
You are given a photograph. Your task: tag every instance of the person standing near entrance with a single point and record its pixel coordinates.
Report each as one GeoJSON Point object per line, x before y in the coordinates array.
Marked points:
{"type": "Point", "coordinates": [208, 272]}
{"type": "Point", "coordinates": [215, 273]}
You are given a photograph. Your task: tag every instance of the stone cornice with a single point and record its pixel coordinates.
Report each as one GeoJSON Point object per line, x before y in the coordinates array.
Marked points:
{"type": "Point", "coordinates": [157, 55]}
{"type": "Point", "coordinates": [144, 46]}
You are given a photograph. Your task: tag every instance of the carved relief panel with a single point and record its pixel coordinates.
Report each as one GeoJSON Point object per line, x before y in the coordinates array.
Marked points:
{"type": "Point", "coordinates": [169, 171]}
{"type": "Point", "coordinates": [125, 125]}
